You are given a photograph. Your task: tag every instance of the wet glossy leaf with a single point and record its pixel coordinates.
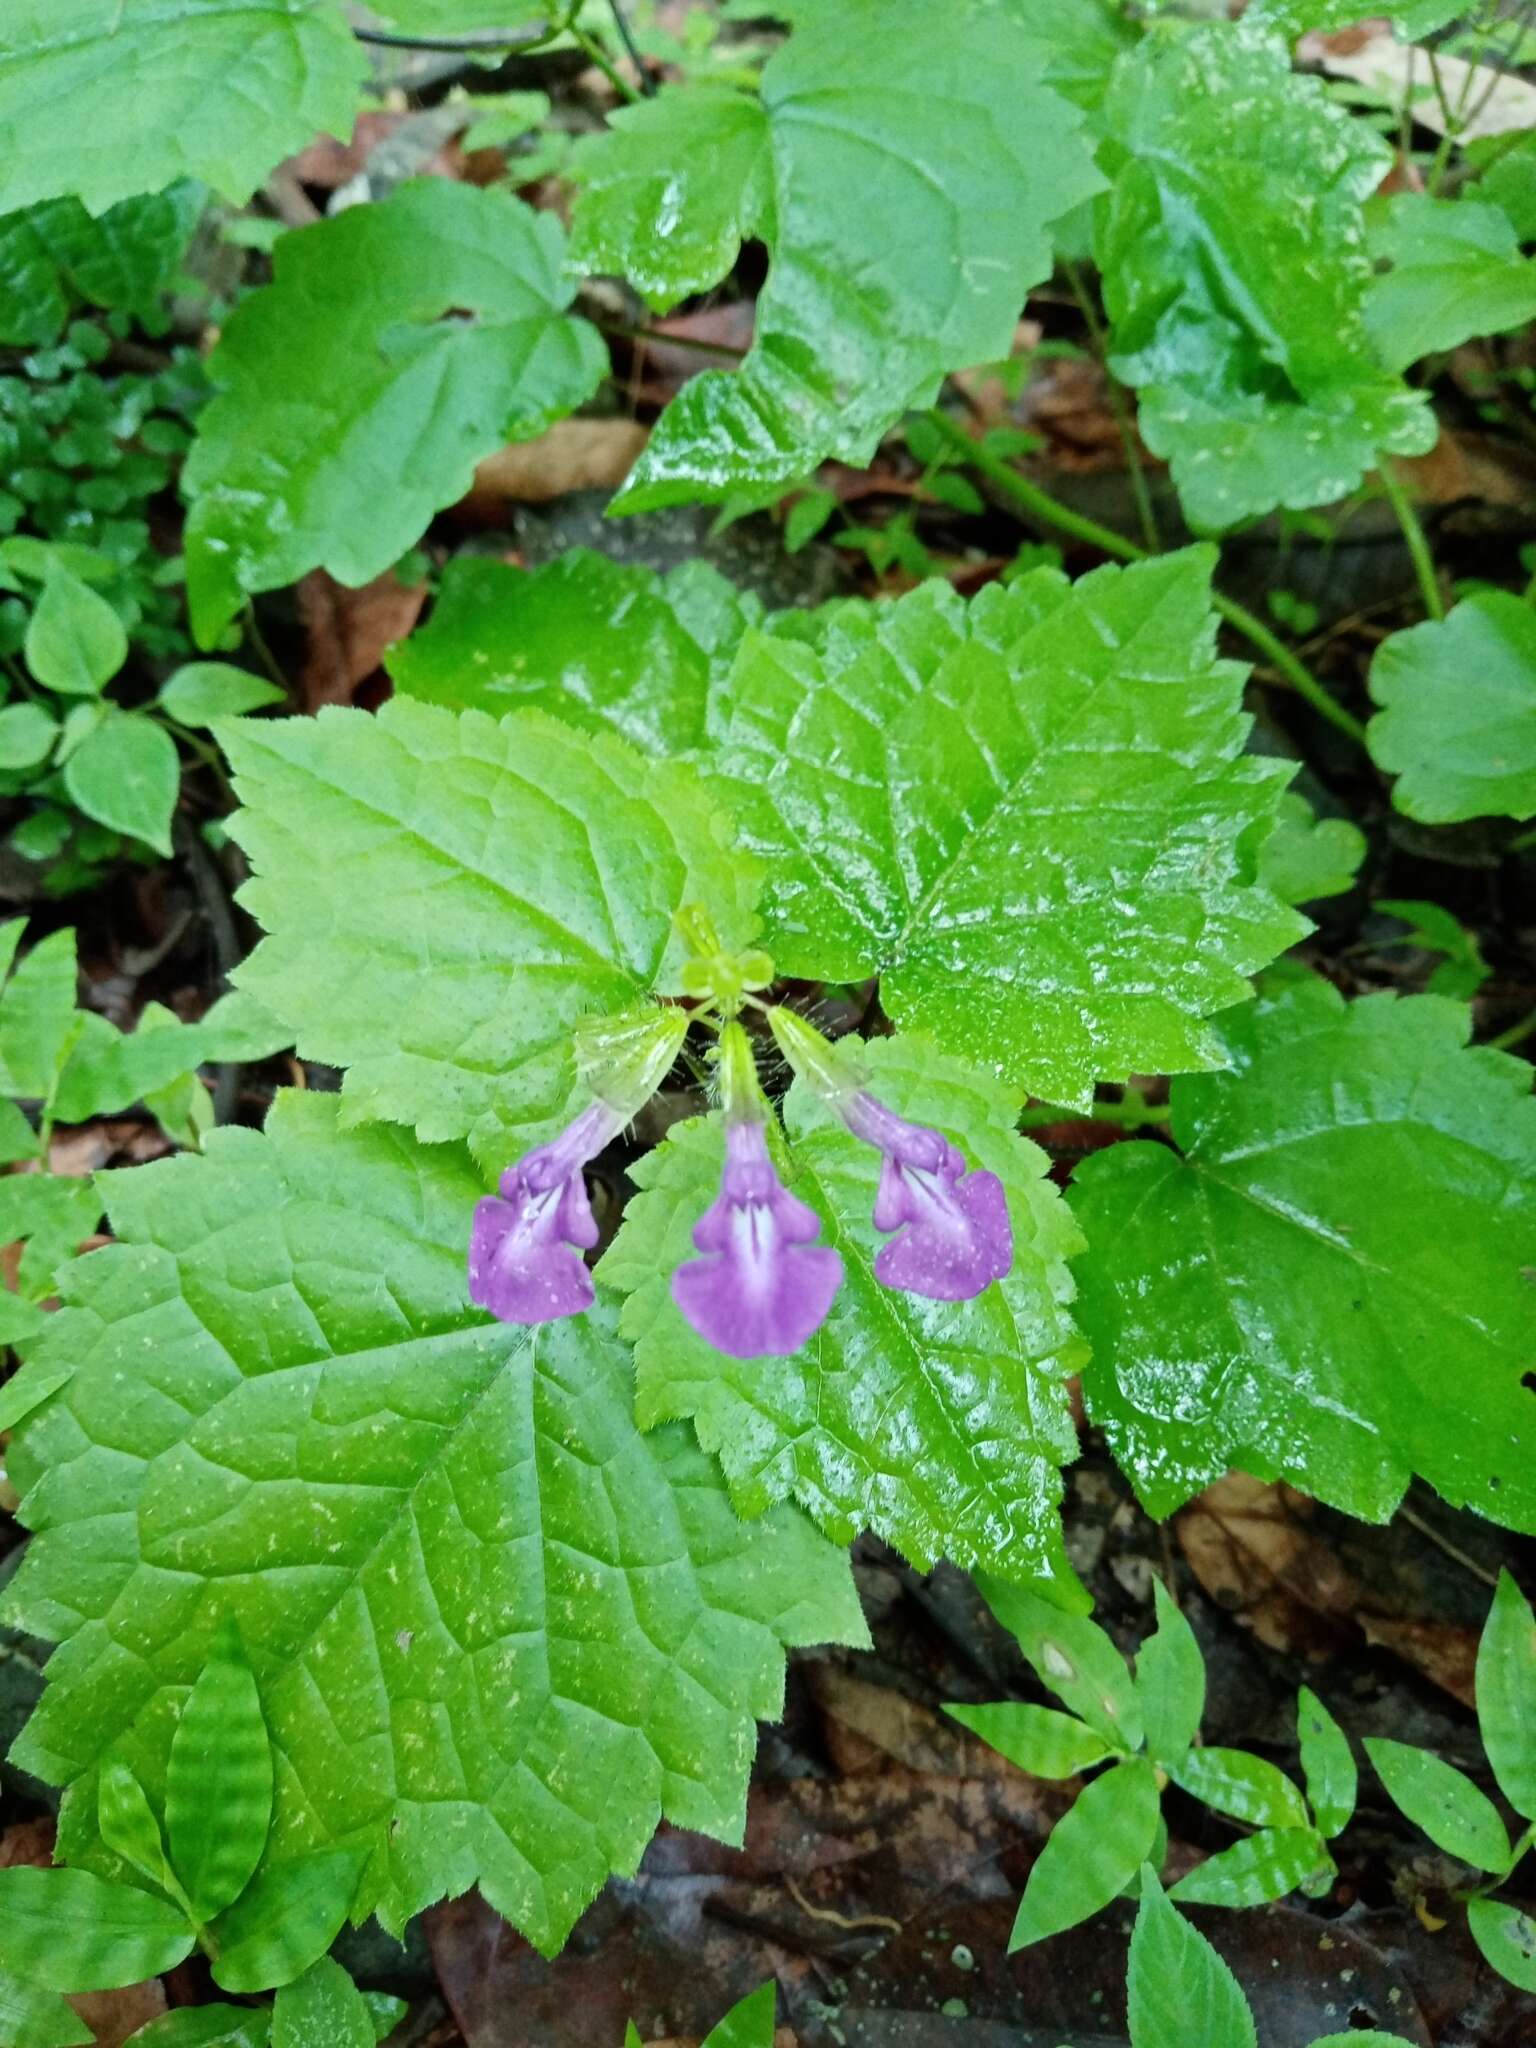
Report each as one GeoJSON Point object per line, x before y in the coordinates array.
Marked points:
{"type": "Point", "coordinates": [126, 774]}
{"type": "Point", "coordinates": [1506, 1695]}
{"type": "Point", "coordinates": [1037, 1739]}
{"type": "Point", "coordinates": [1247, 1787]}
{"type": "Point", "coordinates": [1507, 1938]}
{"type": "Point", "coordinates": [1456, 272]}
{"type": "Point", "coordinates": [1261, 1867]}
{"type": "Point", "coordinates": [1328, 1285]}
{"type": "Point", "coordinates": [31, 2017]}
{"type": "Point", "coordinates": [1235, 276]}
{"type": "Point", "coordinates": [1328, 1764]}
{"type": "Point", "coordinates": [600, 644]}
{"type": "Point", "coordinates": [396, 1497]}
{"type": "Point", "coordinates": [68, 1930]}
{"type": "Point", "coordinates": [1443, 1801]}
{"type": "Point", "coordinates": [285, 1919]}
{"type": "Point", "coordinates": [445, 896]}
{"type": "Point", "coordinates": [75, 641]}
{"type": "Point", "coordinates": [1180, 1989]}
{"type": "Point", "coordinates": [1457, 723]}
{"type": "Point", "coordinates": [425, 331]}
{"type": "Point", "coordinates": [1170, 1681]}
{"type": "Point", "coordinates": [218, 1795]}
{"type": "Point", "coordinates": [672, 189]}
{"type": "Point", "coordinates": [1092, 1853]}
{"type": "Point", "coordinates": [1031, 814]}
{"type": "Point", "coordinates": [323, 2009]}
{"type": "Point", "coordinates": [1307, 857]}
{"type": "Point", "coordinates": [943, 127]}
{"type": "Point", "coordinates": [55, 255]}
{"type": "Point", "coordinates": [221, 90]}
{"type": "Point", "coordinates": [1073, 1657]}
{"type": "Point", "coordinates": [939, 1425]}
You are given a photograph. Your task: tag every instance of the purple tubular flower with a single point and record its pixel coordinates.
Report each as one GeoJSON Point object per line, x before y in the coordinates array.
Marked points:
{"type": "Point", "coordinates": [525, 1262]}
{"type": "Point", "coordinates": [954, 1236]}
{"type": "Point", "coordinates": [763, 1287]}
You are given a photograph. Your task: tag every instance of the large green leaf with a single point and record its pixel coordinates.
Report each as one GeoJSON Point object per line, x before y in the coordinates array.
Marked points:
{"type": "Point", "coordinates": [157, 90]}
{"type": "Point", "coordinates": [941, 126]}
{"type": "Point", "coordinates": [445, 896]}
{"type": "Point", "coordinates": [1180, 1989]}
{"type": "Point", "coordinates": [1031, 815]}
{"type": "Point", "coordinates": [1456, 272]}
{"type": "Point", "coordinates": [1332, 1284]}
{"type": "Point", "coordinates": [69, 1930]}
{"type": "Point", "coordinates": [939, 1425]}
{"type": "Point", "coordinates": [54, 255]}
{"type": "Point", "coordinates": [673, 189]}
{"type": "Point", "coordinates": [396, 346]}
{"type": "Point", "coordinates": [1235, 275]}
{"type": "Point", "coordinates": [1457, 723]}
{"type": "Point", "coordinates": [31, 2017]}
{"type": "Point", "coordinates": [601, 644]}
{"type": "Point", "coordinates": [497, 1632]}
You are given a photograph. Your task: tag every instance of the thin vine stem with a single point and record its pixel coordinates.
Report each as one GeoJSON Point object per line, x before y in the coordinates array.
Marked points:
{"type": "Point", "coordinates": [454, 46]}
{"type": "Point", "coordinates": [1401, 501]}
{"type": "Point", "coordinates": [1145, 510]}
{"type": "Point", "coordinates": [1517, 1034]}
{"type": "Point", "coordinates": [1044, 510]}
{"type": "Point", "coordinates": [626, 36]}
{"type": "Point", "coordinates": [600, 57]}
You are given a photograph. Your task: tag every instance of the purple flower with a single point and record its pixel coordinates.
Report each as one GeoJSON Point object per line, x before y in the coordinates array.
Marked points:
{"type": "Point", "coordinates": [954, 1236]}
{"type": "Point", "coordinates": [763, 1287]}
{"type": "Point", "coordinates": [525, 1262]}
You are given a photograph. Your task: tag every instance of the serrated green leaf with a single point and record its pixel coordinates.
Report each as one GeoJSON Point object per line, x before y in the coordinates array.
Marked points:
{"type": "Point", "coordinates": [207, 2026]}
{"type": "Point", "coordinates": [1170, 1681]}
{"type": "Point", "coordinates": [55, 254]}
{"type": "Point", "coordinates": [1076, 43]}
{"type": "Point", "coordinates": [75, 641]}
{"type": "Point", "coordinates": [220, 90]}
{"type": "Point", "coordinates": [424, 332]}
{"type": "Point", "coordinates": [1345, 1306]}
{"type": "Point", "coordinates": [672, 189]}
{"type": "Point", "coordinates": [199, 692]}
{"type": "Point", "coordinates": [1328, 1765]}
{"type": "Point", "coordinates": [1307, 857]}
{"type": "Point", "coordinates": [218, 1794]}
{"type": "Point", "coordinates": [127, 774]}
{"type": "Point", "coordinates": [1073, 1657]}
{"type": "Point", "coordinates": [1443, 1801]}
{"type": "Point", "coordinates": [1249, 1788]}
{"type": "Point", "coordinates": [128, 1825]}
{"type": "Point", "coordinates": [939, 1425]}
{"type": "Point", "coordinates": [941, 126]}
{"type": "Point", "coordinates": [27, 734]}
{"type": "Point", "coordinates": [54, 1213]}
{"type": "Point", "coordinates": [68, 1930]}
{"type": "Point", "coordinates": [1456, 272]}
{"type": "Point", "coordinates": [323, 2009]}
{"type": "Point", "coordinates": [1457, 723]}
{"type": "Point", "coordinates": [1091, 1854]}
{"type": "Point", "coordinates": [468, 890]}
{"type": "Point", "coordinates": [106, 1070]}
{"type": "Point", "coordinates": [1507, 1938]}
{"type": "Point", "coordinates": [603, 645]}
{"type": "Point", "coordinates": [1235, 277]}
{"type": "Point", "coordinates": [1037, 1739]}
{"type": "Point", "coordinates": [750, 2024]}
{"type": "Point", "coordinates": [407, 1507]}
{"type": "Point", "coordinates": [1180, 1989]}
{"type": "Point", "coordinates": [37, 1014]}
{"type": "Point", "coordinates": [1258, 1869]}
{"type": "Point", "coordinates": [33, 2018]}
{"type": "Point", "coordinates": [1506, 1695]}
{"type": "Point", "coordinates": [285, 1919]}
{"type": "Point", "coordinates": [1028, 814]}
{"type": "Point", "coordinates": [1411, 18]}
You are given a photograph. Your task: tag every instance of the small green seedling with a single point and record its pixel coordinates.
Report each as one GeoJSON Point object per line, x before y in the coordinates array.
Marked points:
{"type": "Point", "coordinates": [748, 2025]}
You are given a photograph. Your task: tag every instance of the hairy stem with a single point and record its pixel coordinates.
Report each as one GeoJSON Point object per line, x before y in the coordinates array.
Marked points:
{"type": "Point", "coordinates": [1044, 510]}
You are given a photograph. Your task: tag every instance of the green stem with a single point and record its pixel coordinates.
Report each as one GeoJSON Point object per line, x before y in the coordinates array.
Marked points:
{"type": "Point", "coordinates": [1049, 512]}
{"type": "Point", "coordinates": [1413, 532]}
{"type": "Point", "coordinates": [1126, 426]}
{"type": "Point", "coordinates": [605, 64]}
{"type": "Point", "coordinates": [1517, 1034]}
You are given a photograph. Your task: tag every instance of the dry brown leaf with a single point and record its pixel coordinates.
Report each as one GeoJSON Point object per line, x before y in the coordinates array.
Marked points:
{"type": "Point", "coordinates": [868, 1726]}
{"type": "Point", "coordinates": [1471, 468]}
{"type": "Point", "coordinates": [113, 2015]}
{"type": "Point", "coordinates": [27, 1842]}
{"type": "Point", "coordinates": [349, 629]}
{"type": "Point", "coordinates": [1250, 1546]}
{"type": "Point", "coordinates": [574, 455]}
{"type": "Point", "coordinates": [1401, 72]}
